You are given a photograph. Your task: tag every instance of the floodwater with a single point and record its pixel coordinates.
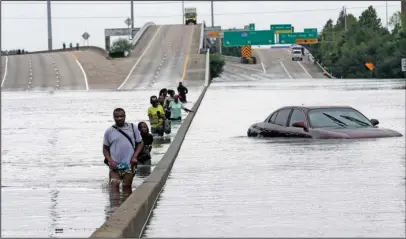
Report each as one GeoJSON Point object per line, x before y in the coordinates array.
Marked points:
{"type": "Point", "coordinates": [53, 176]}
{"type": "Point", "coordinates": [226, 184]}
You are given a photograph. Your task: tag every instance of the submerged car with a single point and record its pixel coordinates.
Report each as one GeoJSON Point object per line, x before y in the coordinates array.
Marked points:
{"type": "Point", "coordinates": [323, 122]}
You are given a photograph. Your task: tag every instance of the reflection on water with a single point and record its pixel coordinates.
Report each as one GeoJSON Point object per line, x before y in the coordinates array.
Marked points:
{"type": "Point", "coordinates": [55, 140]}
{"type": "Point", "coordinates": [226, 184]}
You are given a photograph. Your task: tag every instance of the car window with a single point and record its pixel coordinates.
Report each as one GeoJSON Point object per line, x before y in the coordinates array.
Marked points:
{"type": "Point", "coordinates": [273, 117]}
{"type": "Point", "coordinates": [282, 117]}
{"type": "Point", "coordinates": [337, 117]}
{"type": "Point", "coordinates": [297, 115]}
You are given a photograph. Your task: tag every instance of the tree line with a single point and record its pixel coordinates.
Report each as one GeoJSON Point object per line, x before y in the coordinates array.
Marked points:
{"type": "Point", "coordinates": [345, 47]}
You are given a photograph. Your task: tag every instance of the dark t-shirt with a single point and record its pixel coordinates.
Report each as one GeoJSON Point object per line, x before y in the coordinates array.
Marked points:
{"type": "Point", "coordinates": [147, 140]}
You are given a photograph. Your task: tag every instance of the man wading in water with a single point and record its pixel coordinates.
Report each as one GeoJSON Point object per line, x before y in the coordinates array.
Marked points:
{"type": "Point", "coordinates": [121, 154]}
{"type": "Point", "coordinates": [182, 91]}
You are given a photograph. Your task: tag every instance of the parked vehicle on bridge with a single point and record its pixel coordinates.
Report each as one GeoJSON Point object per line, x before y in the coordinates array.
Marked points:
{"type": "Point", "coordinates": [297, 53]}
{"type": "Point", "coordinates": [190, 16]}
{"type": "Point", "coordinates": [319, 122]}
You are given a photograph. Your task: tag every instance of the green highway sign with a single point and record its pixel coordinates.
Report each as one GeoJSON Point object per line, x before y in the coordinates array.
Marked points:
{"type": "Point", "coordinates": [246, 38]}
{"type": "Point", "coordinates": [287, 38]}
{"type": "Point", "coordinates": [251, 26]}
{"type": "Point", "coordinates": [310, 30]}
{"type": "Point", "coordinates": [281, 27]}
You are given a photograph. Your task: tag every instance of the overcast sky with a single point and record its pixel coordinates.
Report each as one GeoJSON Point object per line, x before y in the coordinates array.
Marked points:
{"type": "Point", "coordinates": [24, 24]}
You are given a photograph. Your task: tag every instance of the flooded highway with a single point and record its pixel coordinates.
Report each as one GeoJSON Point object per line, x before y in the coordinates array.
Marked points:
{"type": "Point", "coordinates": [226, 184]}
{"type": "Point", "coordinates": [53, 176]}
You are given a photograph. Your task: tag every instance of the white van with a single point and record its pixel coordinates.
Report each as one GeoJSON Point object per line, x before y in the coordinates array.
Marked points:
{"type": "Point", "coordinates": [297, 54]}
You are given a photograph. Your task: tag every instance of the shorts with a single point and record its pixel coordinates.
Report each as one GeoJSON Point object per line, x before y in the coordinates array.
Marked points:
{"type": "Point", "coordinates": [122, 172]}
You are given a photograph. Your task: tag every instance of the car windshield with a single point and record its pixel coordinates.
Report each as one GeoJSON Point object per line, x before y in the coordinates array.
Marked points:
{"type": "Point", "coordinates": [337, 118]}
{"type": "Point", "coordinates": [190, 15]}
{"type": "Point", "coordinates": [297, 52]}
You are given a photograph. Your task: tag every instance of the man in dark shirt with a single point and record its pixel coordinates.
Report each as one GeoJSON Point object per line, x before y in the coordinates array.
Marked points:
{"type": "Point", "coordinates": [182, 91]}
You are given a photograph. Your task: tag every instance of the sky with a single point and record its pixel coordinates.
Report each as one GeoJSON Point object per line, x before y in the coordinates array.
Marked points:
{"type": "Point", "coordinates": [24, 24]}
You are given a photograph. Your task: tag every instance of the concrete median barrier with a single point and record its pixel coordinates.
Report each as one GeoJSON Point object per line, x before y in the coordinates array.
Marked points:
{"type": "Point", "coordinates": [130, 218]}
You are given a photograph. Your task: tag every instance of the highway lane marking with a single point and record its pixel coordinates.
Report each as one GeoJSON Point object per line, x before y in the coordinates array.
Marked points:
{"type": "Point", "coordinates": [286, 70]}
{"type": "Point", "coordinates": [5, 72]}
{"type": "Point", "coordinates": [188, 53]}
{"type": "Point", "coordinates": [139, 59]}
{"type": "Point", "coordinates": [300, 64]}
{"type": "Point", "coordinates": [83, 72]}
{"type": "Point", "coordinates": [260, 57]}
{"type": "Point", "coordinates": [263, 67]}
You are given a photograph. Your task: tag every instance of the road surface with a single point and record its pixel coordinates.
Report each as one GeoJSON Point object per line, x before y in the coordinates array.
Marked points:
{"type": "Point", "coordinates": [47, 71]}
{"type": "Point", "coordinates": [171, 50]}
{"type": "Point", "coordinates": [278, 63]}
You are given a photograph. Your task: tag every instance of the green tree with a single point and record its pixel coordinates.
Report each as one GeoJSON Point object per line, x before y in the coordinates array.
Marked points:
{"type": "Point", "coordinates": [344, 52]}
{"type": "Point", "coordinates": [121, 45]}
{"type": "Point", "coordinates": [216, 65]}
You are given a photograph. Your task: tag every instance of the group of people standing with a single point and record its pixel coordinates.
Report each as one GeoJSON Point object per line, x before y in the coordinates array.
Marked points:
{"type": "Point", "coordinates": [166, 108]}
{"type": "Point", "coordinates": [126, 146]}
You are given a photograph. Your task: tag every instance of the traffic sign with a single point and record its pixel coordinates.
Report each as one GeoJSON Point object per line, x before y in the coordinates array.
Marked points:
{"type": "Point", "coordinates": [245, 38]}
{"type": "Point", "coordinates": [251, 26]}
{"type": "Point", "coordinates": [290, 38]}
{"type": "Point", "coordinates": [85, 36]}
{"type": "Point", "coordinates": [370, 66]}
{"type": "Point", "coordinates": [307, 41]}
{"type": "Point", "coordinates": [128, 21]}
{"type": "Point", "coordinates": [281, 28]}
{"type": "Point", "coordinates": [213, 34]}
{"type": "Point", "coordinates": [310, 30]}
{"type": "Point", "coordinates": [404, 64]}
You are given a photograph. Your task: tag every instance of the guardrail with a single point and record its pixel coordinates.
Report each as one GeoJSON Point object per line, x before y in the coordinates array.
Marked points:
{"type": "Point", "coordinates": [325, 71]}
{"type": "Point", "coordinates": [141, 32]}
{"type": "Point", "coordinates": [201, 38]}
{"type": "Point", "coordinates": [318, 64]}
{"type": "Point", "coordinates": [207, 73]}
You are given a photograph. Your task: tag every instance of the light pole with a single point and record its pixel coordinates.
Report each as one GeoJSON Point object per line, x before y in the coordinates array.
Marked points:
{"type": "Point", "coordinates": [183, 12]}
{"type": "Point", "coordinates": [49, 25]}
{"type": "Point", "coordinates": [212, 16]}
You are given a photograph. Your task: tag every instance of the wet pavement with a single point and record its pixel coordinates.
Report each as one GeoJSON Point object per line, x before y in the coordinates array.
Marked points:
{"type": "Point", "coordinates": [226, 184]}
{"type": "Point", "coordinates": [53, 176]}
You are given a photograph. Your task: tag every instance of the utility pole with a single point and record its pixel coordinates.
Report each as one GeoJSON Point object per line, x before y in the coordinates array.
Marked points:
{"type": "Point", "coordinates": [132, 19]}
{"type": "Point", "coordinates": [345, 19]}
{"type": "Point", "coordinates": [403, 6]}
{"type": "Point", "coordinates": [387, 22]}
{"type": "Point", "coordinates": [49, 25]}
{"type": "Point", "coordinates": [183, 12]}
{"type": "Point", "coordinates": [212, 15]}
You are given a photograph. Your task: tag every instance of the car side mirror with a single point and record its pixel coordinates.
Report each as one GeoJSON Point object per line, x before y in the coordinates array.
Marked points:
{"type": "Point", "coordinates": [300, 124]}
{"type": "Point", "coordinates": [374, 122]}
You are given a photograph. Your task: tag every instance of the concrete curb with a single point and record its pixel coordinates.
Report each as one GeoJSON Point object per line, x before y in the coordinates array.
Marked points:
{"type": "Point", "coordinates": [130, 219]}
{"type": "Point", "coordinates": [140, 33]}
